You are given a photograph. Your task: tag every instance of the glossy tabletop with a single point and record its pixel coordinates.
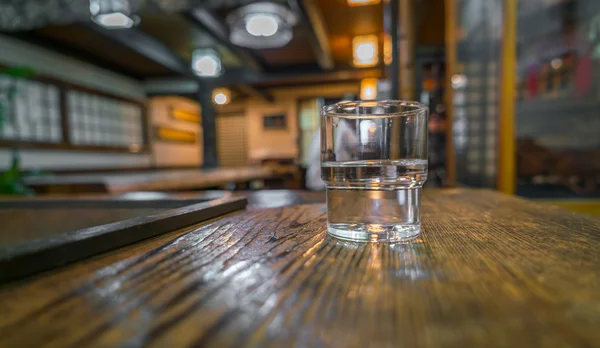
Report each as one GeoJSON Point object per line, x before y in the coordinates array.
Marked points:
{"type": "Point", "coordinates": [489, 270]}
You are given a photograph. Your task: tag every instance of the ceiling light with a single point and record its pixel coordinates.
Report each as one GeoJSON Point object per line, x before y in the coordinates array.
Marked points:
{"type": "Point", "coordinates": [362, 2]}
{"type": "Point", "coordinates": [113, 14]}
{"type": "Point", "coordinates": [221, 96]}
{"type": "Point", "coordinates": [114, 20]}
{"type": "Point", "coordinates": [365, 50]}
{"type": "Point", "coordinates": [261, 25]}
{"type": "Point", "coordinates": [206, 62]}
{"type": "Point", "coordinates": [368, 89]}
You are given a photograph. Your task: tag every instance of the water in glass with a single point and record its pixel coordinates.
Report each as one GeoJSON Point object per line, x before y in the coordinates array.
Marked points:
{"type": "Point", "coordinates": [374, 168]}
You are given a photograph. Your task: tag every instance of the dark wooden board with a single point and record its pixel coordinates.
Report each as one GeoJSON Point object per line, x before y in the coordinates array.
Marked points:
{"type": "Point", "coordinates": [28, 218]}
{"type": "Point", "coordinates": [488, 271]}
{"type": "Point", "coordinates": [30, 257]}
{"type": "Point", "coordinates": [20, 225]}
{"type": "Point", "coordinates": [155, 181]}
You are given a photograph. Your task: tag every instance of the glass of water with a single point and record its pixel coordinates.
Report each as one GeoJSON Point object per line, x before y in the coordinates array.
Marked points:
{"type": "Point", "coordinates": [374, 163]}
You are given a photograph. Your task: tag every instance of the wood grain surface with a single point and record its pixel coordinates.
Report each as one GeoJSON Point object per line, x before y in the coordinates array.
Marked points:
{"type": "Point", "coordinates": [27, 218]}
{"type": "Point", "coordinates": [489, 270]}
{"type": "Point", "coordinates": [20, 225]}
{"type": "Point", "coordinates": [30, 257]}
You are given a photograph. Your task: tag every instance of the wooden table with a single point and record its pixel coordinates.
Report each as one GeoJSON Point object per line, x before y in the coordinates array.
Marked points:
{"type": "Point", "coordinates": [488, 270]}
{"type": "Point", "coordinates": [174, 180]}
{"type": "Point", "coordinates": [28, 218]}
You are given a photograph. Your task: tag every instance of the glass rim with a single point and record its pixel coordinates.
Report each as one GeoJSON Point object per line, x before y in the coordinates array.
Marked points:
{"type": "Point", "coordinates": [331, 109]}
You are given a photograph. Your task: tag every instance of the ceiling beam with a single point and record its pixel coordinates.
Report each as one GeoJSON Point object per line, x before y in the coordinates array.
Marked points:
{"type": "Point", "coordinates": [241, 76]}
{"type": "Point", "coordinates": [176, 85]}
{"type": "Point", "coordinates": [35, 38]}
{"type": "Point", "coordinates": [311, 19]}
{"type": "Point", "coordinates": [147, 46]}
{"type": "Point", "coordinates": [165, 86]}
{"type": "Point", "coordinates": [210, 23]}
{"type": "Point", "coordinates": [153, 49]}
{"type": "Point", "coordinates": [256, 93]}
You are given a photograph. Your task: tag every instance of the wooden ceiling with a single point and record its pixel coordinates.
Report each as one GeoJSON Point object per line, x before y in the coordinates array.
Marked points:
{"type": "Point", "coordinates": [296, 52]}
{"type": "Point", "coordinates": [431, 22]}
{"type": "Point", "coordinates": [344, 22]}
{"type": "Point", "coordinates": [85, 44]}
{"type": "Point", "coordinates": [178, 34]}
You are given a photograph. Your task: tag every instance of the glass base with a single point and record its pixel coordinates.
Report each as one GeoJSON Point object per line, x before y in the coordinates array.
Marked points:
{"type": "Point", "coordinates": [374, 232]}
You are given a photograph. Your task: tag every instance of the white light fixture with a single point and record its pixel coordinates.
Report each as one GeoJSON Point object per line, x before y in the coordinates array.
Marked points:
{"type": "Point", "coordinates": [206, 62]}
{"type": "Point", "coordinates": [365, 50]}
{"type": "Point", "coordinates": [387, 49]}
{"type": "Point", "coordinates": [261, 25]}
{"type": "Point", "coordinates": [113, 14]}
{"type": "Point", "coordinates": [221, 96]}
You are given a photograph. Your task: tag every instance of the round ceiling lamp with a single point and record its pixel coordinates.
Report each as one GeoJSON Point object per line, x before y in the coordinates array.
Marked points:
{"type": "Point", "coordinates": [113, 14]}
{"type": "Point", "coordinates": [261, 25]}
{"type": "Point", "coordinates": [206, 62]}
{"type": "Point", "coordinates": [221, 96]}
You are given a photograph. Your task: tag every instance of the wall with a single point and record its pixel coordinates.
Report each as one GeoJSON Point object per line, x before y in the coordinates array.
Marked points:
{"type": "Point", "coordinates": [264, 143]}
{"type": "Point", "coordinates": [17, 53]}
{"type": "Point", "coordinates": [169, 154]}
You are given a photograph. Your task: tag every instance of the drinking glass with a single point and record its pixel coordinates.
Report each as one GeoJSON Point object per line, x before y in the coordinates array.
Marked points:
{"type": "Point", "coordinates": [374, 163]}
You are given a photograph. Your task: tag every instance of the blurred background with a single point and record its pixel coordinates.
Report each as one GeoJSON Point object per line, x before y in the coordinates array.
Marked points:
{"type": "Point", "coordinates": [134, 90]}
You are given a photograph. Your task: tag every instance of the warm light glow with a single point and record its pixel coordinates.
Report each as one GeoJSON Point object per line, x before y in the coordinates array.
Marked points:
{"type": "Point", "coordinates": [262, 25]}
{"type": "Point", "coordinates": [387, 49]}
{"type": "Point", "coordinates": [365, 50]}
{"type": "Point", "coordinates": [368, 89]}
{"type": "Point", "coordinates": [362, 2]}
{"type": "Point", "coordinates": [556, 63]}
{"type": "Point", "coordinates": [369, 92]}
{"type": "Point", "coordinates": [135, 148]}
{"type": "Point", "coordinates": [114, 20]}
{"type": "Point", "coordinates": [206, 63]}
{"type": "Point", "coordinates": [221, 96]}
{"type": "Point", "coordinates": [458, 81]}
{"type": "Point", "coordinates": [184, 115]}
{"type": "Point", "coordinates": [177, 135]}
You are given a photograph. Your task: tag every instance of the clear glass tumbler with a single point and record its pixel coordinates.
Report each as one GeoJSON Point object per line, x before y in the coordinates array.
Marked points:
{"type": "Point", "coordinates": [374, 163]}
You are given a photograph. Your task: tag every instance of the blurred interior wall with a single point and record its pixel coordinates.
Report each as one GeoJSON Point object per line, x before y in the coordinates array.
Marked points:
{"type": "Point", "coordinates": [17, 53]}
{"type": "Point", "coordinates": [267, 143]}
{"type": "Point", "coordinates": [171, 154]}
